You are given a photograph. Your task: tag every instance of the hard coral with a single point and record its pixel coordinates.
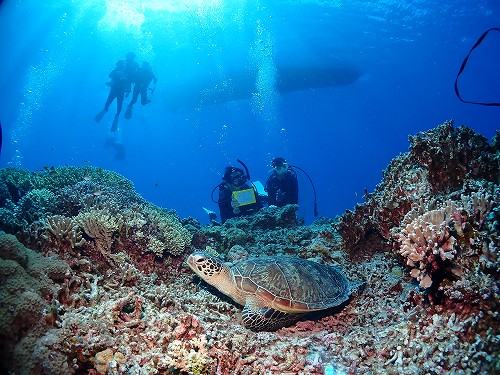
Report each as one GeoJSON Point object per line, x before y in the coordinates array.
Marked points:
{"type": "Point", "coordinates": [100, 225]}
{"type": "Point", "coordinates": [453, 154]}
{"type": "Point", "coordinates": [35, 205]}
{"type": "Point", "coordinates": [415, 177]}
{"type": "Point", "coordinates": [426, 242]}
{"type": "Point", "coordinates": [166, 227]}
{"type": "Point", "coordinates": [65, 231]}
{"type": "Point", "coordinates": [146, 315]}
{"type": "Point", "coordinates": [439, 244]}
{"type": "Point", "coordinates": [28, 287]}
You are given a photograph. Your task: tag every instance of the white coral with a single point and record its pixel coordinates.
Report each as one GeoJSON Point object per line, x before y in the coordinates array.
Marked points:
{"type": "Point", "coordinates": [426, 236]}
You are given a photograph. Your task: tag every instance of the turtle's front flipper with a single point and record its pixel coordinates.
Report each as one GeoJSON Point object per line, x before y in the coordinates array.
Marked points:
{"type": "Point", "coordinates": [266, 318]}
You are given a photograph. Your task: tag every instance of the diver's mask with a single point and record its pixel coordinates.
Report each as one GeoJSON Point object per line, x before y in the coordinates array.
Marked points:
{"type": "Point", "coordinates": [238, 180]}
{"type": "Point", "coordinates": [279, 164]}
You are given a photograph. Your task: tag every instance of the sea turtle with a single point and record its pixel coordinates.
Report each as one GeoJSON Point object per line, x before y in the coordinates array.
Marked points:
{"type": "Point", "coordinates": [276, 290]}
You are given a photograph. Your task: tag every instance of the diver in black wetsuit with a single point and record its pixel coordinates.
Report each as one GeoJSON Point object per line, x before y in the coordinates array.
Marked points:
{"type": "Point", "coordinates": [143, 77]}
{"type": "Point", "coordinates": [282, 186]}
{"type": "Point", "coordinates": [236, 197]}
{"type": "Point", "coordinates": [118, 86]}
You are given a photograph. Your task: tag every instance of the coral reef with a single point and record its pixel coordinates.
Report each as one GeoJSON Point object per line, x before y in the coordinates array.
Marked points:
{"type": "Point", "coordinates": [29, 286]}
{"type": "Point", "coordinates": [87, 210]}
{"type": "Point", "coordinates": [65, 231]}
{"type": "Point", "coordinates": [437, 242]}
{"type": "Point", "coordinates": [429, 217]}
{"type": "Point", "coordinates": [105, 289]}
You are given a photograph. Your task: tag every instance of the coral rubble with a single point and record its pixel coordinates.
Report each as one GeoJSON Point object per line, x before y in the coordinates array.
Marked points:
{"type": "Point", "coordinates": [94, 282]}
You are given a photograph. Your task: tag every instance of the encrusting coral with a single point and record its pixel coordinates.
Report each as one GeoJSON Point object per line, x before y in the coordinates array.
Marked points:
{"type": "Point", "coordinates": [29, 285]}
{"type": "Point", "coordinates": [427, 244]}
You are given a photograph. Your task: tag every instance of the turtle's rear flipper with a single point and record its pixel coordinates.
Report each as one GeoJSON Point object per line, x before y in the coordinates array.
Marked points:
{"type": "Point", "coordinates": [267, 319]}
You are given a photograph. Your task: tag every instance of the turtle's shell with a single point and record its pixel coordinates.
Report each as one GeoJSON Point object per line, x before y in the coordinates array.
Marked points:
{"type": "Point", "coordinates": [291, 284]}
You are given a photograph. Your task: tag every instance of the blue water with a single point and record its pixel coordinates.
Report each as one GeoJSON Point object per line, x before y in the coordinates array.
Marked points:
{"type": "Point", "coordinates": [219, 64]}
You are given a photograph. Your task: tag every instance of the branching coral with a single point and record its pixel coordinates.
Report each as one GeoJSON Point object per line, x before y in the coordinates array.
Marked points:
{"type": "Point", "coordinates": [437, 242]}
{"type": "Point", "coordinates": [156, 246]}
{"type": "Point", "coordinates": [478, 205]}
{"type": "Point", "coordinates": [65, 230]}
{"type": "Point", "coordinates": [36, 204]}
{"type": "Point", "coordinates": [100, 225]}
{"type": "Point", "coordinates": [188, 351]}
{"type": "Point", "coordinates": [425, 238]}
{"type": "Point", "coordinates": [166, 229]}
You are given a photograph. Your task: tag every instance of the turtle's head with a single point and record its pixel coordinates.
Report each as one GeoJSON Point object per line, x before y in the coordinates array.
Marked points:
{"type": "Point", "coordinates": [208, 267]}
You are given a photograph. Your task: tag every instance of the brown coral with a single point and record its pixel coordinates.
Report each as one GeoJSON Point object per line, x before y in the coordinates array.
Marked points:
{"type": "Point", "coordinates": [100, 225]}
{"type": "Point", "coordinates": [65, 231]}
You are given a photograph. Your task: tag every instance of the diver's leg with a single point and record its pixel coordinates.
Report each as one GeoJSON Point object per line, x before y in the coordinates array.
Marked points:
{"type": "Point", "coordinates": [109, 100]}
{"type": "Point", "coordinates": [119, 103]}
{"type": "Point", "coordinates": [144, 95]}
{"type": "Point", "coordinates": [101, 114]}
{"type": "Point", "coordinates": [135, 94]}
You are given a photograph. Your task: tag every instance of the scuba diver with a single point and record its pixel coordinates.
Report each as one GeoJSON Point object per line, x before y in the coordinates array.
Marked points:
{"type": "Point", "coordinates": [143, 78]}
{"type": "Point", "coordinates": [237, 197]}
{"type": "Point", "coordinates": [118, 86]}
{"type": "Point", "coordinates": [282, 186]}
{"type": "Point", "coordinates": [131, 69]}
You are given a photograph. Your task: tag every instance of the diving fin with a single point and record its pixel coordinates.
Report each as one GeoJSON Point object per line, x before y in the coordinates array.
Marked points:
{"type": "Point", "coordinates": [115, 123]}
{"type": "Point", "coordinates": [211, 215]}
{"type": "Point", "coordinates": [100, 115]}
{"type": "Point", "coordinates": [128, 112]}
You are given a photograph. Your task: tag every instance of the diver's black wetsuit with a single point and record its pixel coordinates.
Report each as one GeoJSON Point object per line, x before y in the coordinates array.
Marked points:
{"type": "Point", "coordinates": [118, 85]}
{"type": "Point", "coordinates": [227, 211]}
{"type": "Point", "coordinates": [142, 80]}
{"type": "Point", "coordinates": [284, 191]}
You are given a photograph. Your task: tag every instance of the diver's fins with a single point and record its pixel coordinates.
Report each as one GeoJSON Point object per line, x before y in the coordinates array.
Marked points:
{"type": "Point", "coordinates": [207, 211]}
{"type": "Point", "coordinates": [115, 123]}
{"type": "Point", "coordinates": [211, 215]}
{"type": "Point", "coordinates": [100, 115]}
{"type": "Point", "coordinates": [128, 112]}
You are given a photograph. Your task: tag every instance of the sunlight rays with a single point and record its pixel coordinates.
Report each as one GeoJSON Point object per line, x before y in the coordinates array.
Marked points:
{"type": "Point", "coordinates": [132, 13]}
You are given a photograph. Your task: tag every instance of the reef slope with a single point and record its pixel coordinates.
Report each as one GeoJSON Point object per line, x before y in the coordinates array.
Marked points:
{"type": "Point", "coordinates": [93, 278]}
